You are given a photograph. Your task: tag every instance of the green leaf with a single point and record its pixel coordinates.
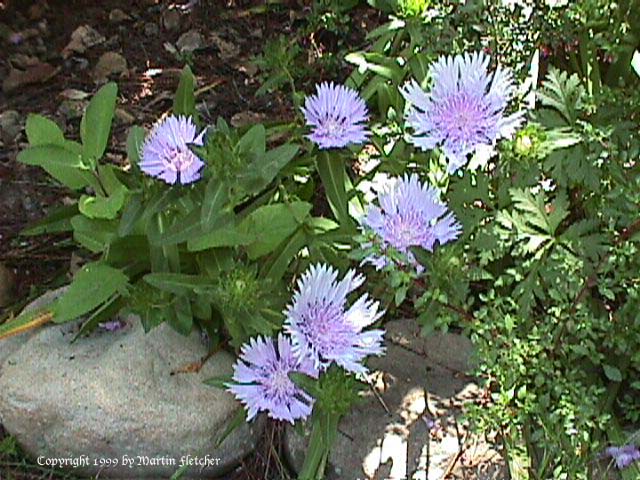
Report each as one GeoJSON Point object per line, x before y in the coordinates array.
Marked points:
{"type": "Point", "coordinates": [562, 92]}
{"type": "Point", "coordinates": [229, 235]}
{"type": "Point", "coordinates": [61, 163]}
{"type": "Point", "coordinates": [612, 373]}
{"type": "Point", "coordinates": [58, 220]}
{"type": "Point", "coordinates": [131, 215]}
{"type": "Point", "coordinates": [42, 131]}
{"type": "Point", "coordinates": [103, 207]}
{"type": "Point", "coordinates": [216, 195]}
{"type": "Point", "coordinates": [287, 252]}
{"type": "Point", "coordinates": [332, 173]}
{"type": "Point", "coordinates": [266, 167]}
{"type": "Point", "coordinates": [181, 318]}
{"type": "Point", "coordinates": [238, 420]}
{"type": "Point", "coordinates": [135, 140]}
{"type": "Point", "coordinates": [96, 123]}
{"type": "Point", "coordinates": [254, 141]}
{"type": "Point", "coordinates": [93, 285]}
{"type": "Point", "coordinates": [184, 102]}
{"type": "Point", "coordinates": [272, 224]}
{"type": "Point", "coordinates": [377, 63]}
{"type": "Point", "coordinates": [94, 234]}
{"type": "Point", "coordinates": [219, 381]}
{"type": "Point", "coordinates": [106, 312]}
{"type": "Point", "coordinates": [178, 283]}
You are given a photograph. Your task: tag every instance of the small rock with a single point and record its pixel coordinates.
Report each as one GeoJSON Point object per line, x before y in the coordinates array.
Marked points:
{"type": "Point", "coordinates": [118, 16]}
{"type": "Point", "coordinates": [189, 41]}
{"type": "Point", "coordinates": [242, 119]}
{"type": "Point", "coordinates": [36, 74]}
{"type": "Point", "coordinates": [7, 282]}
{"type": "Point", "coordinates": [82, 38]}
{"type": "Point", "coordinates": [72, 109]}
{"type": "Point", "coordinates": [112, 394]}
{"type": "Point", "coordinates": [113, 42]}
{"type": "Point", "coordinates": [78, 63]}
{"type": "Point", "coordinates": [250, 69]}
{"type": "Point", "coordinates": [10, 126]}
{"type": "Point", "coordinates": [151, 29]}
{"type": "Point", "coordinates": [110, 63]}
{"type": "Point", "coordinates": [227, 49]}
{"type": "Point", "coordinates": [22, 61]}
{"type": "Point", "coordinates": [171, 20]}
{"type": "Point", "coordinates": [74, 94]}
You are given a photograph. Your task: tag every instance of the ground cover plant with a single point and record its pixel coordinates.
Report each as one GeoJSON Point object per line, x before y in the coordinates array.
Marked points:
{"type": "Point", "coordinates": [477, 168]}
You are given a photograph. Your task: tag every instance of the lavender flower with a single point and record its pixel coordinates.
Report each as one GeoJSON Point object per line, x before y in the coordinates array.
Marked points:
{"type": "Point", "coordinates": [409, 215]}
{"type": "Point", "coordinates": [323, 328]}
{"type": "Point", "coordinates": [337, 115]}
{"type": "Point", "coordinates": [113, 325]}
{"type": "Point", "coordinates": [166, 154]}
{"type": "Point", "coordinates": [464, 110]}
{"type": "Point", "coordinates": [623, 456]}
{"type": "Point", "coordinates": [263, 383]}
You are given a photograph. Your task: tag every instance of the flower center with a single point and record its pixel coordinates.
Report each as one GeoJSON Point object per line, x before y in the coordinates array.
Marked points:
{"type": "Point", "coordinates": [180, 160]}
{"type": "Point", "coordinates": [461, 116]}
{"type": "Point", "coordinates": [323, 327]}
{"type": "Point", "coordinates": [281, 382]}
{"type": "Point", "coordinates": [404, 231]}
{"type": "Point", "coordinates": [333, 126]}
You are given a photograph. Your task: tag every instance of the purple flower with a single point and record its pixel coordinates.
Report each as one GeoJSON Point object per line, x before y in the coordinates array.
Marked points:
{"type": "Point", "coordinates": [113, 325]}
{"type": "Point", "coordinates": [464, 110]}
{"type": "Point", "coordinates": [321, 326]}
{"type": "Point", "coordinates": [337, 115]}
{"type": "Point", "coordinates": [623, 456]}
{"type": "Point", "coordinates": [166, 154]}
{"type": "Point", "coordinates": [409, 215]}
{"type": "Point", "coordinates": [263, 384]}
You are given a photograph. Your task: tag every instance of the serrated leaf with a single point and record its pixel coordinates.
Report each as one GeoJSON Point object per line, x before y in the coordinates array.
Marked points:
{"type": "Point", "coordinates": [563, 93]}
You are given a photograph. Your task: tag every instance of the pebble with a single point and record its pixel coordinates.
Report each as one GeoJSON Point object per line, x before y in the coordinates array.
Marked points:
{"type": "Point", "coordinates": [151, 29]}
{"type": "Point", "coordinates": [118, 16]}
{"type": "Point", "coordinates": [110, 63]}
{"type": "Point", "coordinates": [10, 126]}
{"type": "Point", "coordinates": [189, 41]}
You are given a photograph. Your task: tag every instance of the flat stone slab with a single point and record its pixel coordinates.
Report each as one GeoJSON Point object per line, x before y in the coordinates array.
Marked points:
{"type": "Point", "coordinates": [110, 402]}
{"type": "Point", "coordinates": [408, 424]}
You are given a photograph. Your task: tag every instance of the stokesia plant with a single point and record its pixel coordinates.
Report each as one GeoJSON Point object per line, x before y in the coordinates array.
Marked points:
{"type": "Point", "coordinates": [314, 365]}
{"type": "Point", "coordinates": [190, 233]}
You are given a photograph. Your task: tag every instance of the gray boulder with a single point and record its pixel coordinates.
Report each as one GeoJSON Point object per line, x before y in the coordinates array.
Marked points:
{"type": "Point", "coordinates": [110, 402]}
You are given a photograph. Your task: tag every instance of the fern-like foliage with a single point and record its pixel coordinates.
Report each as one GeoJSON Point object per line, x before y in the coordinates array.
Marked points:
{"type": "Point", "coordinates": [563, 93]}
